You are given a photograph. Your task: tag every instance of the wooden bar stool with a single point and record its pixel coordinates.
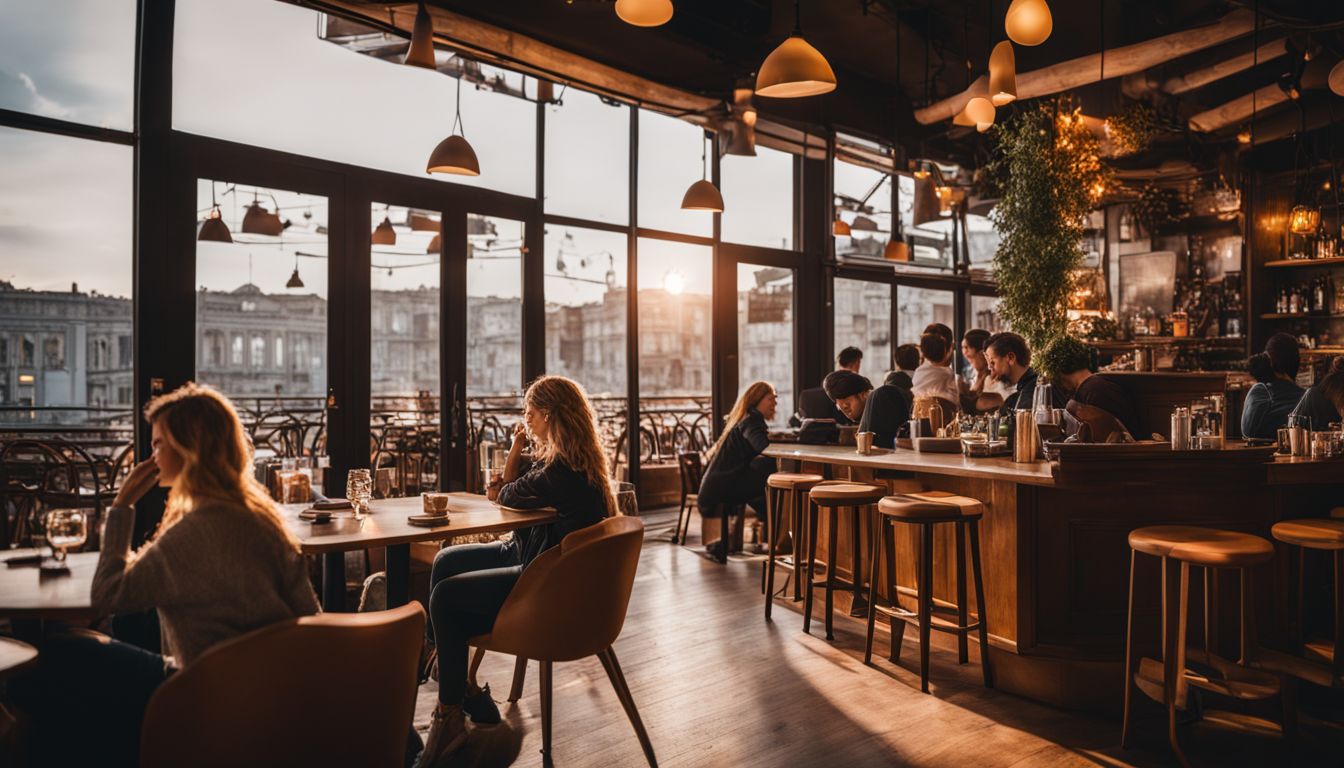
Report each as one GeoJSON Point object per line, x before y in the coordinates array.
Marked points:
{"type": "Point", "coordinates": [1168, 681]}
{"type": "Point", "coordinates": [835, 498]}
{"type": "Point", "coordinates": [783, 488]}
{"type": "Point", "coordinates": [927, 509]}
{"type": "Point", "coordinates": [1321, 661]}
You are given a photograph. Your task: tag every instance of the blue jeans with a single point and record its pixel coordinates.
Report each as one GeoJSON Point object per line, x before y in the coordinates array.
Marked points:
{"type": "Point", "coordinates": [467, 586]}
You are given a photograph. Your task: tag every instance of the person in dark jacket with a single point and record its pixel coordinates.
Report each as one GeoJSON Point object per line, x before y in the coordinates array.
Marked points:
{"type": "Point", "coordinates": [736, 471]}
{"type": "Point", "coordinates": [1009, 361]}
{"type": "Point", "coordinates": [469, 582]}
{"type": "Point", "coordinates": [1276, 393]}
{"type": "Point", "coordinates": [1323, 403]}
{"type": "Point", "coordinates": [882, 411]}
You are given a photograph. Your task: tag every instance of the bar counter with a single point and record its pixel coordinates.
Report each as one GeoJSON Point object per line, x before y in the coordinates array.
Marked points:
{"type": "Point", "coordinates": [1055, 546]}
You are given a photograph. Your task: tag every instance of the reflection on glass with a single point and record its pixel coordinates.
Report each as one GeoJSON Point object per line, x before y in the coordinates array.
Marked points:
{"type": "Point", "coordinates": [758, 198]}
{"type": "Point", "coordinates": [65, 285]}
{"type": "Point", "coordinates": [863, 320]}
{"type": "Point", "coordinates": [982, 239]}
{"type": "Point", "coordinates": [249, 298]}
{"type": "Point", "coordinates": [985, 314]}
{"type": "Point", "coordinates": [588, 158]}
{"type": "Point", "coordinates": [404, 305]}
{"type": "Point", "coordinates": [765, 332]}
{"type": "Point", "coordinates": [670, 160]}
{"type": "Point", "coordinates": [675, 282]}
{"type": "Point", "coordinates": [863, 203]}
{"type": "Point", "coordinates": [494, 306]}
{"type": "Point", "coordinates": [916, 308]}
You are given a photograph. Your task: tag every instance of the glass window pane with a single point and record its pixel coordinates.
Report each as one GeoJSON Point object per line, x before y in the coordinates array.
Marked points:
{"type": "Point", "coordinates": [985, 314]}
{"type": "Point", "coordinates": [585, 307]}
{"type": "Point", "coordinates": [588, 158]}
{"type": "Point", "coordinates": [765, 333]}
{"type": "Point", "coordinates": [404, 306]}
{"type": "Point", "coordinates": [70, 59]}
{"type": "Point", "coordinates": [982, 239]}
{"type": "Point", "coordinates": [917, 308]}
{"type": "Point", "coordinates": [863, 320]}
{"type": "Point", "coordinates": [65, 287]}
{"type": "Point", "coordinates": [257, 72]}
{"type": "Point", "coordinates": [670, 161]}
{"type": "Point", "coordinates": [494, 306]}
{"type": "Point", "coordinates": [269, 285]}
{"type": "Point", "coordinates": [863, 203]}
{"type": "Point", "coordinates": [758, 198]}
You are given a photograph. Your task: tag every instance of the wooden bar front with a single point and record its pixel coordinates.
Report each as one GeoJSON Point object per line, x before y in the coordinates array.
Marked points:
{"type": "Point", "coordinates": [1055, 547]}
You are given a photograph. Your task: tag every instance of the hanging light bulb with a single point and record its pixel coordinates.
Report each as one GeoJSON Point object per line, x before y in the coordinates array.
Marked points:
{"type": "Point", "coordinates": [644, 13]}
{"type": "Point", "coordinates": [1304, 219]}
{"type": "Point", "coordinates": [213, 228]}
{"type": "Point", "coordinates": [896, 250]}
{"type": "Point", "coordinates": [961, 118]}
{"type": "Point", "coordinates": [795, 69]}
{"type": "Point", "coordinates": [921, 171]}
{"type": "Point", "coordinates": [1028, 22]}
{"type": "Point", "coordinates": [384, 234]}
{"type": "Point", "coordinates": [1002, 74]}
{"type": "Point", "coordinates": [1336, 79]}
{"type": "Point", "coordinates": [1244, 136]}
{"type": "Point", "coordinates": [703, 195]}
{"type": "Point", "coordinates": [981, 110]}
{"type": "Point", "coordinates": [454, 154]}
{"type": "Point", "coordinates": [421, 51]}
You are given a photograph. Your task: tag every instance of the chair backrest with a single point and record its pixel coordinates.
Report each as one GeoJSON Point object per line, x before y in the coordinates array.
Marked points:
{"type": "Point", "coordinates": [570, 602]}
{"type": "Point", "coordinates": [331, 689]}
{"type": "Point", "coordinates": [691, 471]}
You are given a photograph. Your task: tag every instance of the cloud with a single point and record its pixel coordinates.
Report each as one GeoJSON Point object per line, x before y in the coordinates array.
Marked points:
{"type": "Point", "coordinates": [20, 91]}
{"type": "Point", "coordinates": [41, 104]}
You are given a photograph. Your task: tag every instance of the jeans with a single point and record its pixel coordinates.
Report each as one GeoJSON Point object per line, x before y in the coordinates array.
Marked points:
{"type": "Point", "coordinates": [467, 586]}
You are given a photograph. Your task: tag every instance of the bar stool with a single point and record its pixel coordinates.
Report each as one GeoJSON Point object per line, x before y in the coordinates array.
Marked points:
{"type": "Point", "coordinates": [785, 488]}
{"type": "Point", "coordinates": [1168, 680]}
{"type": "Point", "coordinates": [834, 498]}
{"type": "Point", "coordinates": [1321, 662]}
{"type": "Point", "coordinates": [927, 509]}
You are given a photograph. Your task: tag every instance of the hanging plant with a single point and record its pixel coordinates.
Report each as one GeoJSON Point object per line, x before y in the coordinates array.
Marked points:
{"type": "Point", "coordinates": [1160, 206]}
{"type": "Point", "coordinates": [1132, 130]}
{"type": "Point", "coordinates": [1052, 176]}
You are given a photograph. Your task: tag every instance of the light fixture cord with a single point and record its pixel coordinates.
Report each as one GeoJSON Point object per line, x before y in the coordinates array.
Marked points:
{"type": "Point", "coordinates": [704, 159]}
{"type": "Point", "coordinates": [457, 117]}
{"type": "Point", "coordinates": [1103, 40]}
{"type": "Point", "coordinates": [797, 18]}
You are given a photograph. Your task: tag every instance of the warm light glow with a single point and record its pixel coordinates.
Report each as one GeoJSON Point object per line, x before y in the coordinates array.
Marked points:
{"type": "Point", "coordinates": [1336, 79]}
{"type": "Point", "coordinates": [26, 378]}
{"type": "Point", "coordinates": [1098, 190]}
{"type": "Point", "coordinates": [1002, 74]}
{"type": "Point", "coordinates": [1303, 220]}
{"type": "Point", "coordinates": [896, 250]}
{"type": "Point", "coordinates": [213, 228]}
{"type": "Point", "coordinates": [384, 234]}
{"type": "Point", "coordinates": [702, 196]}
{"type": "Point", "coordinates": [421, 52]}
{"type": "Point", "coordinates": [674, 282]}
{"type": "Point", "coordinates": [981, 110]}
{"type": "Point", "coordinates": [961, 118]}
{"type": "Point", "coordinates": [454, 155]}
{"type": "Point", "coordinates": [1028, 22]}
{"type": "Point", "coordinates": [1244, 136]}
{"type": "Point", "coordinates": [793, 70]}
{"type": "Point", "coordinates": [644, 13]}
{"type": "Point", "coordinates": [841, 229]}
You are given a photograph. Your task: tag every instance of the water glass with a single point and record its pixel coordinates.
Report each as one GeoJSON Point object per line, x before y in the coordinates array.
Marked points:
{"type": "Point", "coordinates": [359, 489]}
{"type": "Point", "coordinates": [66, 528]}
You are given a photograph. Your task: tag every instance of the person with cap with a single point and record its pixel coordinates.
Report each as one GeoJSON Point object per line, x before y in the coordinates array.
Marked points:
{"type": "Point", "coordinates": [882, 411]}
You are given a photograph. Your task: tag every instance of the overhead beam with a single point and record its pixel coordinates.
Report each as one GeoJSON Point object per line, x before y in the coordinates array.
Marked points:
{"type": "Point", "coordinates": [1239, 109]}
{"type": "Point", "coordinates": [1202, 77]}
{"type": "Point", "coordinates": [1121, 61]}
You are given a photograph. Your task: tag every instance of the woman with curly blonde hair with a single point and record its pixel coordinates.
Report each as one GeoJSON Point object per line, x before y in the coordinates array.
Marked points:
{"type": "Point", "coordinates": [470, 582]}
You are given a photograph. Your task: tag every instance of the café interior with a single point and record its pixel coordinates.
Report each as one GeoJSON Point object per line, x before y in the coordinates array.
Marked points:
{"type": "Point", "coordinates": [372, 372]}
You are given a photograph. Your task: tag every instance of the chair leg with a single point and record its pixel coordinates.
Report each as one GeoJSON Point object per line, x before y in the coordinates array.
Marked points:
{"type": "Point", "coordinates": [476, 656]}
{"type": "Point", "coordinates": [963, 654]}
{"type": "Point", "coordinates": [833, 528]}
{"type": "Point", "coordinates": [1174, 682]}
{"type": "Point", "coordinates": [1339, 614]}
{"type": "Point", "coordinates": [857, 608]}
{"type": "Point", "coordinates": [613, 668]}
{"type": "Point", "coordinates": [681, 512]}
{"type": "Point", "coordinates": [895, 624]}
{"type": "Point", "coordinates": [925, 602]}
{"type": "Point", "coordinates": [812, 513]}
{"type": "Point", "coordinates": [796, 501]}
{"type": "Point", "coordinates": [772, 500]}
{"type": "Point", "coordinates": [1129, 652]}
{"type": "Point", "coordinates": [982, 611]}
{"type": "Point", "coordinates": [545, 680]}
{"type": "Point", "coordinates": [872, 599]}
{"type": "Point", "coordinates": [726, 537]}
{"type": "Point", "coordinates": [519, 676]}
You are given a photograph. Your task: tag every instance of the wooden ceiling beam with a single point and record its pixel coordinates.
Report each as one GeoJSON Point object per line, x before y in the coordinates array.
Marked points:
{"type": "Point", "coordinates": [1239, 109]}
{"type": "Point", "coordinates": [1202, 77]}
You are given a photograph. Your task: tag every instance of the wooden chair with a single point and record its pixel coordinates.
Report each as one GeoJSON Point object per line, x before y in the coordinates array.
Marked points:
{"type": "Point", "coordinates": [331, 689]}
{"type": "Point", "coordinates": [786, 489]}
{"type": "Point", "coordinates": [1317, 660]}
{"type": "Point", "coordinates": [570, 604]}
{"type": "Point", "coordinates": [833, 499]}
{"type": "Point", "coordinates": [691, 471]}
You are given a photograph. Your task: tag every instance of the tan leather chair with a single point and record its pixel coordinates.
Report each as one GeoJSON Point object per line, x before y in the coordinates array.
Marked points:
{"type": "Point", "coordinates": [570, 604]}
{"type": "Point", "coordinates": [332, 689]}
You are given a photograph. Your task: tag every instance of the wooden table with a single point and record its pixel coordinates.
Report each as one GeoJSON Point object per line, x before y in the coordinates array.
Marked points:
{"type": "Point", "coordinates": [14, 656]}
{"type": "Point", "coordinates": [27, 592]}
{"type": "Point", "coordinates": [386, 526]}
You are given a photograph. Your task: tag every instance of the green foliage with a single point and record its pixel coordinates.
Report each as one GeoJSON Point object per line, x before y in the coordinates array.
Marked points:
{"type": "Point", "coordinates": [1064, 354]}
{"type": "Point", "coordinates": [1051, 176]}
{"type": "Point", "coordinates": [1131, 130]}
{"type": "Point", "coordinates": [1159, 206]}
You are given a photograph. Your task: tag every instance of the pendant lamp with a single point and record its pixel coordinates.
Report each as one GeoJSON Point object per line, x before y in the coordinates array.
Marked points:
{"type": "Point", "coordinates": [961, 118]}
{"type": "Point", "coordinates": [1304, 219]}
{"type": "Point", "coordinates": [926, 206]}
{"type": "Point", "coordinates": [384, 234]}
{"type": "Point", "coordinates": [453, 154]}
{"type": "Point", "coordinates": [213, 228]}
{"type": "Point", "coordinates": [1336, 79]}
{"type": "Point", "coordinates": [421, 51]}
{"type": "Point", "coordinates": [703, 195]}
{"type": "Point", "coordinates": [259, 221]}
{"type": "Point", "coordinates": [294, 280]}
{"type": "Point", "coordinates": [981, 110]}
{"type": "Point", "coordinates": [1002, 74]}
{"type": "Point", "coordinates": [795, 69]}
{"type": "Point", "coordinates": [434, 246]}
{"type": "Point", "coordinates": [840, 228]}
{"type": "Point", "coordinates": [644, 13]}
{"type": "Point", "coordinates": [1028, 22]}
{"type": "Point", "coordinates": [896, 250]}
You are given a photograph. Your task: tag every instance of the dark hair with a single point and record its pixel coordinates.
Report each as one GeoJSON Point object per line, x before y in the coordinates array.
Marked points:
{"type": "Point", "coordinates": [849, 356]}
{"type": "Point", "coordinates": [934, 347]}
{"type": "Point", "coordinates": [1260, 368]}
{"type": "Point", "coordinates": [907, 357]}
{"type": "Point", "coordinates": [1283, 353]}
{"type": "Point", "coordinates": [1006, 342]}
{"type": "Point", "coordinates": [943, 331]}
{"type": "Point", "coordinates": [1332, 385]}
{"type": "Point", "coordinates": [1064, 354]}
{"type": "Point", "coordinates": [976, 338]}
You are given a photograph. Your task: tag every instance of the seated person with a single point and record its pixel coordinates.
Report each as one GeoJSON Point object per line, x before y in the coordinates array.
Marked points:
{"type": "Point", "coordinates": [934, 377]}
{"type": "Point", "coordinates": [1096, 425]}
{"type": "Point", "coordinates": [1323, 403]}
{"type": "Point", "coordinates": [1009, 361]}
{"type": "Point", "coordinates": [907, 360]}
{"type": "Point", "coordinates": [470, 582]}
{"type": "Point", "coordinates": [814, 404]}
{"type": "Point", "coordinates": [222, 564]}
{"type": "Point", "coordinates": [849, 359]}
{"type": "Point", "coordinates": [981, 393]}
{"type": "Point", "coordinates": [735, 470]}
{"type": "Point", "coordinates": [1073, 360]}
{"type": "Point", "coordinates": [883, 411]}
{"type": "Point", "coordinates": [1276, 392]}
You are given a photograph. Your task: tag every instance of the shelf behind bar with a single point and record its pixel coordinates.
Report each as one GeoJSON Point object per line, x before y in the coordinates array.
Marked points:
{"type": "Point", "coordinates": [1301, 315]}
{"type": "Point", "coordinates": [1334, 261]}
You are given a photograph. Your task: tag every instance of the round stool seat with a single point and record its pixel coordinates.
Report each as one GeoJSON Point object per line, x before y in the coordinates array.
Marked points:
{"type": "Point", "coordinates": [1237, 550]}
{"type": "Point", "coordinates": [1313, 534]}
{"type": "Point", "coordinates": [793, 481]}
{"type": "Point", "coordinates": [931, 506]}
{"type": "Point", "coordinates": [846, 494]}
{"type": "Point", "coordinates": [1158, 540]}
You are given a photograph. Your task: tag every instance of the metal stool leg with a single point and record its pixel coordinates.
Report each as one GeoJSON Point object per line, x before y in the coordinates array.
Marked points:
{"type": "Point", "coordinates": [1129, 652]}
{"type": "Point", "coordinates": [962, 613]}
{"type": "Point", "coordinates": [925, 602]}
{"type": "Point", "coordinates": [980, 607]}
{"type": "Point", "coordinates": [811, 515]}
{"type": "Point", "coordinates": [833, 528]}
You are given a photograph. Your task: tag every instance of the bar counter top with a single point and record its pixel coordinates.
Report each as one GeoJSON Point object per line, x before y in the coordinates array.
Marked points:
{"type": "Point", "coordinates": [903, 460]}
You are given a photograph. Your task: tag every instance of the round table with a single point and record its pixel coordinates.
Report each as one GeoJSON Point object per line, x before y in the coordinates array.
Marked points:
{"type": "Point", "coordinates": [14, 656]}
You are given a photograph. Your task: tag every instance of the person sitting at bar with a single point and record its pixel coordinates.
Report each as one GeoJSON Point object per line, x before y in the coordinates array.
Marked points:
{"type": "Point", "coordinates": [222, 564]}
{"type": "Point", "coordinates": [907, 361]}
{"type": "Point", "coordinates": [883, 411]}
{"type": "Point", "coordinates": [1323, 403]}
{"type": "Point", "coordinates": [814, 404]}
{"type": "Point", "coordinates": [736, 471]}
{"type": "Point", "coordinates": [934, 377]}
{"type": "Point", "coordinates": [1073, 361]}
{"type": "Point", "coordinates": [470, 582]}
{"type": "Point", "coordinates": [983, 392]}
{"type": "Point", "coordinates": [1009, 361]}
{"type": "Point", "coordinates": [1276, 392]}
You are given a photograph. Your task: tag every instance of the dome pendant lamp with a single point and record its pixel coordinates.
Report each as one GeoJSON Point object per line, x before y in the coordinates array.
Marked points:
{"type": "Point", "coordinates": [644, 13]}
{"type": "Point", "coordinates": [454, 154]}
{"type": "Point", "coordinates": [1028, 22]}
{"type": "Point", "coordinates": [703, 195]}
{"type": "Point", "coordinates": [981, 111]}
{"type": "Point", "coordinates": [795, 69]}
{"type": "Point", "coordinates": [1002, 74]}
{"type": "Point", "coordinates": [294, 280]}
{"type": "Point", "coordinates": [384, 234]}
{"type": "Point", "coordinates": [421, 51]}
{"type": "Point", "coordinates": [213, 227]}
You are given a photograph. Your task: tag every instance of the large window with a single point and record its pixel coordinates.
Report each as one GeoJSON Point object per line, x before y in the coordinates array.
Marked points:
{"type": "Point", "coordinates": [916, 308]}
{"type": "Point", "coordinates": [585, 308]}
{"type": "Point", "coordinates": [675, 283]}
{"type": "Point", "coordinates": [863, 320]}
{"type": "Point", "coordinates": [494, 306]}
{"type": "Point", "coordinates": [670, 160]}
{"type": "Point", "coordinates": [863, 206]}
{"type": "Point", "coordinates": [65, 287]}
{"type": "Point", "coordinates": [758, 199]}
{"type": "Point", "coordinates": [765, 349]}
{"type": "Point", "coordinates": [588, 158]}
{"type": "Point", "coordinates": [985, 314]}
{"type": "Point", "coordinates": [404, 306]}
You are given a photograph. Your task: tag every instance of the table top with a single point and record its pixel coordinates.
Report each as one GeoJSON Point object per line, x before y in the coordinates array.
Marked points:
{"type": "Point", "coordinates": [15, 655]}
{"type": "Point", "coordinates": [901, 459]}
{"type": "Point", "coordinates": [468, 513]}
{"type": "Point", "coordinates": [27, 592]}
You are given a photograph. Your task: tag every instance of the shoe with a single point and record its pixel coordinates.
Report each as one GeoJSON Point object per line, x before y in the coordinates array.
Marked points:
{"type": "Point", "coordinates": [718, 550]}
{"type": "Point", "coordinates": [447, 734]}
{"type": "Point", "coordinates": [480, 707]}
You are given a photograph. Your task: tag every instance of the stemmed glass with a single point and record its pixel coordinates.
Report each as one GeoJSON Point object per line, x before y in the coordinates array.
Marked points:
{"type": "Point", "coordinates": [65, 528]}
{"type": "Point", "coordinates": [359, 489]}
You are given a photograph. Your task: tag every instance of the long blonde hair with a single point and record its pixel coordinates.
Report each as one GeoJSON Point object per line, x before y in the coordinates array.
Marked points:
{"type": "Point", "coordinates": [756, 392]}
{"type": "Point", "coordinates": [202, 426]}
{"type": "Point", "coordinates": [572, 437]}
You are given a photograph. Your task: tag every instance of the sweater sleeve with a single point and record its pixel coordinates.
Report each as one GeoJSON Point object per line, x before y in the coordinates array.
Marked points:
{"type": "Point", "coordinates": [1254, 410]}
{"type": "Point", "coordinates": [124, 582]}
{"type": "Point", "coordinates": [299, 591]}
{"type": "Point", "coordinates": [533, 490]}
{"type": "Point", "coordinates": [754, 430]}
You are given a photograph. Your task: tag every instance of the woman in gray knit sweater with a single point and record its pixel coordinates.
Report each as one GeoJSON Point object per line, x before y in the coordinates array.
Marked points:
{"type": "Point", "coordinates": [221, 564]}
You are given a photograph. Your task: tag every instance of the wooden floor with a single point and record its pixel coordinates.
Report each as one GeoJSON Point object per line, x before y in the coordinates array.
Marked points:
{"type": "Point", "coordinates": [718, 686]}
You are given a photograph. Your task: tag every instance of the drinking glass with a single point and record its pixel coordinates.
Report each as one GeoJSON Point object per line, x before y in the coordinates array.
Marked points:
{"type": "Point", "coordinates": [358, 489]}
{"type": "Point", "coordinates": [493, 459]}
{"type": "Point", "coordinates": [66, 528]}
